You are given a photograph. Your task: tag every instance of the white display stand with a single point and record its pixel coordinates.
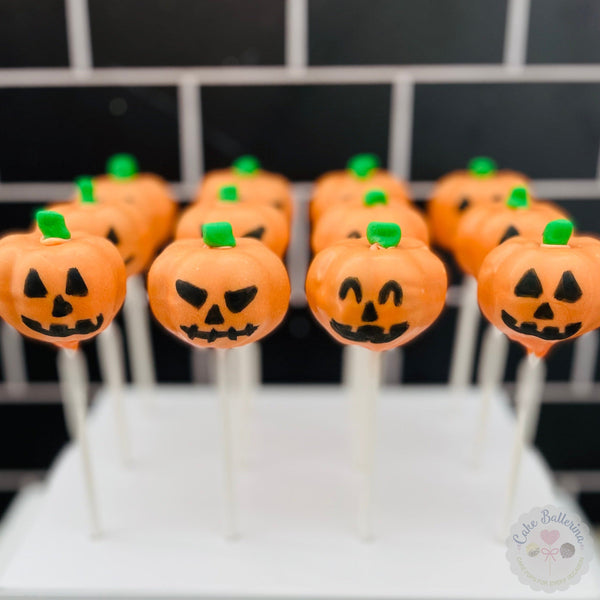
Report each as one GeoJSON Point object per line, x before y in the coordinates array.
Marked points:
{"type": "Point", "coordinates": [435, 515]}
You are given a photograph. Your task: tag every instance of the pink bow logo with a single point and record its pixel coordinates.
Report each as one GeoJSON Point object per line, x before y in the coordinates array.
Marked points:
{"type": "Point", "coordinates": [548, 553]}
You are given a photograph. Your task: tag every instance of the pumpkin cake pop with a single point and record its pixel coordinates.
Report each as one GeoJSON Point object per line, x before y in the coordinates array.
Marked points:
{"type": "Point", "coordinates": [218, 291]}
{"type": "Point", "coordinates": [149, 193]}
{"type": "Point", "coordinates": [57, 286]}
{"type": "Point", "coordinates": [362, 173]}
{"type": "Point", "coordinates": [120, 223]}
{"type": "Point", "coordinates": [489, 224]}
{"type": "Point", "coordinates": [379, 291]}
{"type": "Point", "coordinates": [541, 292]}
{"type": "Point", "coordinates": [248, 220]}
{"type": "Point", "coordinates": [255, 185]}
{"type": "Point", "coordinates": [341, 222]}
{"type": "Point", "coordinates": [459, 191]}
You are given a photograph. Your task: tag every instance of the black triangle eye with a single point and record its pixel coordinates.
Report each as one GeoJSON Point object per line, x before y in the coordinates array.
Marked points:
{"type": "Point", "coordinates": [391, 287]}
{"type": "Point", "coordinates": [257, 233]}
{"type": "Point", "coordinates": [350, 283]}
{"type": "Point", "coordinates": [190, 293]}
{"type": "Point", "coordinates": [112, 236]}
{"type": "Point", "coordinates": [237, 300]}
{"type": "Point", "coordinates": [568, 289]}
{"type": "Point", "coordinates": [529, 285]}
{"type": "Point", "coordinates": [34, 288]}
{"type": "Point", "coordinates": [464, 204]}
{"type": "Point", "coordinates": [512, 231]}
{"type": "Point", "coordinates": [354, 234]}
{"type": "Point", "coordinates": [75, 284]}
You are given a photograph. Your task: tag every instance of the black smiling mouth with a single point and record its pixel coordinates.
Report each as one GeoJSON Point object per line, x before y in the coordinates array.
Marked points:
{"type": "Point", "coordinates": [193, 333]}
{"type": "Point", "coordinates": [547, 333]}
{"type": "Point", "coordinates": [369, 333]}
{"type": "Point", "coordinates": [82, 327]}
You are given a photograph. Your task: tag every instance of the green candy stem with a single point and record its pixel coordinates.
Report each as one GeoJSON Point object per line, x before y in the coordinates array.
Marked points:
{"type": "Point", "coordinates": [363, 165]}
{"type": "Point", "coordinates": [246, 165]}
{"type": "Point", "coordinates": [557, 233]}
{"type": "Point", "coordinates": [52, 225]}
{"type": "Point", "coordinates": [218, 235]}
{"type": "Point", "coordinates": [122, 166]}
{"type": "Point", "coordinates": [386, 235]}
{"type": "Point", "coordinates": [519, 198]}
{"type": "Point", "coordinates": [374, 197]}
{"type": "Point", "coordinates": [86, 189]}
{"type": "Point", "coordinates": [482, 166]}
{"type": "Point", "coordinates": [229, 193]}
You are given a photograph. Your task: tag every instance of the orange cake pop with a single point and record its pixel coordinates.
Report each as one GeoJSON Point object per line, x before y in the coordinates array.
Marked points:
{"type": "Point", "coordinates": [379, 291]}
{"type": "Point", "coordinates": [540, 292]}
{"type": "Point", "coordinates": [489, 224]}
{"type": "Point", "coordinates": [120, 223]}
{"type": "Point", "coordinates": [255, 185]}
{"type": "Point", "coordinates": [59, 287]}
{"type": "Point", "coordinates": [248, 220]}
{"type": "Point", "coordinates": [459, 191]}
{"type": "Point", "coordinates": [349, 186]}
{"type": "Point", "coordinates": [218, 291]}
{"type": "Point", "coordinates": [149, 193]}
{"type": "Point", "coordinates": [341, 222]}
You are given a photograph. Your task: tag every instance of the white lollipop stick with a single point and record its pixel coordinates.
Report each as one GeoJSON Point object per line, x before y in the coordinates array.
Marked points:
{"type": "Point", "coordinates": [202, 365]}
{"type": "Point", "coordinates": [353, 367]}
{"type": "Point", "coordinates": [139, 340]}
{"type": "Point", "coordinates": [73, 377]}
{"type": "Point", "coordinates": [584, 363]}
{"type": "Point", "coordinates": [492, 364]}
{"type": "Point", "coordinates": [463, 350]}
{"type": "Point", "coordinates": [369, 391]}
{"type": "Point", "coordinates": [14, 365]}
{"type": "Point", "coordinates": [227, 446]}
{"type": "Point", "coordinates": [531, 376]}
{"type": "Point", "coordinates": [248, 381]}
{"type": "Point", "coordinates": [110, 357]}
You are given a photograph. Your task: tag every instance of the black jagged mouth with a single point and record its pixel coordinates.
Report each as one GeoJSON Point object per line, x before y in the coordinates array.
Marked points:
{"type": "Point", "coordinates": [369, 333]}
{"type": "Point", "coordinates": [82, 327]}
{"type": "Point", "coordinates": [232, 333]}
{"type": "Point", "coordinates": [547, 333]}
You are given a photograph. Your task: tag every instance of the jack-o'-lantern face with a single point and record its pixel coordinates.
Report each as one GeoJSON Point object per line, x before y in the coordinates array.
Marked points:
{"type": "Point", "coordinates": [458, 192]}
{"type": "Point", "coordinates": [540, 294]}
{"type": "Point", "coordinates": [52, 287]}
{"type": "Point", "coordinates": [222, 295]}
{"type": "Point", "coordinates": [376, 295]}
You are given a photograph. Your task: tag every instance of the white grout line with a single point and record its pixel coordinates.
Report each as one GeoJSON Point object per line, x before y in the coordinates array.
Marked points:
{"type": "Point", "coordinates": [79, 37]}
{"type": "Point", "coordinates": [516, 33]}
{"type": "Point", "coordinates": [296, 35]}
{"type": "Point", "coordinates": [401, 127]}
{"type": "Point", "coordinates": [190, 138]}
{"type": "Point", "coordinates": [430, 74]}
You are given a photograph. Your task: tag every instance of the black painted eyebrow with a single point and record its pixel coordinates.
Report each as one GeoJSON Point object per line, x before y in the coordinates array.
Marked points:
{"type": "Point", "coordinates": [191, 293]}
{"type": "Point", "coordinates": [237, 300]}
{"type": "Point", "coordinates": [350, 283]}
{"type": "Point", "coordinates": [390, 287]}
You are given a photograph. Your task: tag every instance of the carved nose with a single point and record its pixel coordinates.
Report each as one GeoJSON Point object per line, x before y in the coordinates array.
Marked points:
{"type": "Point", "coordinates": [61, 307]}
{"type": "Point", "coordinates": [214, 316]}
{"type": "Point", "coordinates": [369, 313]}
{"type": "Point", "coordinates": [544, 312]}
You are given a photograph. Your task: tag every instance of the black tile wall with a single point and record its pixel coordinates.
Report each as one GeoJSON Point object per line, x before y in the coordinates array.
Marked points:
{"type": "Point", "coordinates": [298, 130]}
{"type": "Point", "coordinates": [352, 32]}
{"type": "Point", "coordinates": [546, 130]}
{"type": "Point", "coordinates": [564, 31]}
{"type": "Point", "coordinates": [187, 32]}
{"type": "Point", "coordinates": [55, 134]}
{"type": "Point", "coordinates": [33, 34]}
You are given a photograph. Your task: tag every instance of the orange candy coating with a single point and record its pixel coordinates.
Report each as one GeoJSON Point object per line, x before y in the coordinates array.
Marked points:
{"type": "Point", "coordinates": [456, 193]}
{"type": "Point", "coordinates": [122, 224]}
{"type": "Point", "coordinates": [219, 291]}
{"type": "Point", "coordinates": [258, 221]}
{"type": "Point", "coordinates": [59, 287]}
{"type": "Point", "coordinates": [378, 291]}
{"type": "Point", "coordinates": [489, 224]}
{"type": "Point", "coordinates": [342, 222]}
{"type": "Point", "coordinates": [348, 187]}
{"type": "Point", "coordinates": [540, 292]}
{"type": "Point", "coordinates": [255, 185]}
{"type": "Point", "coordinates": [147, 192]}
